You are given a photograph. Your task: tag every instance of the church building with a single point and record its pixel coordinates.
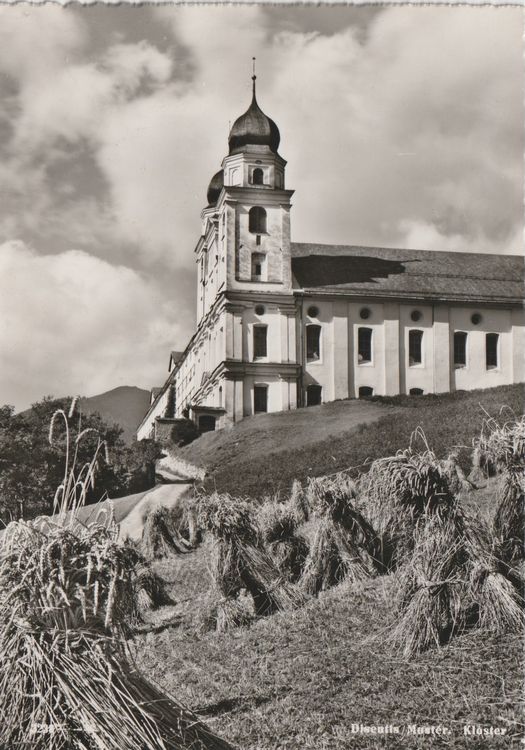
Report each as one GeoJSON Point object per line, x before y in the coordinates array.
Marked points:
{"type": "Point", "coordinates": [283, 324]}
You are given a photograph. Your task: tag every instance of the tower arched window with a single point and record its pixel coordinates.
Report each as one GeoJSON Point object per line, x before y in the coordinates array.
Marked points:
{"type": "Point", "coordinates": [257, 220]}
{"type": "Point", "coordinates": [258, 176]}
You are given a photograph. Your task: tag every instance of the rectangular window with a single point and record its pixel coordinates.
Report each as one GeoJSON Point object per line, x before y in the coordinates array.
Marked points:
{"type": "Point", "coordinates": [364, 345]}
{"type": "Point", "coordinates": [258, 269]}
{"type": "Point", "coordinates": [460, 349]}
{"type": "Point", "coordinates": [260, 398]}
{"type": "Point", "coordinates": [313, 343]}
{"type": "Point", "coordinates": [415, 339]}
{"type": "Point", "coordinates": [260, 348]}
{"type": "Point", "coordinates": [491, 350]}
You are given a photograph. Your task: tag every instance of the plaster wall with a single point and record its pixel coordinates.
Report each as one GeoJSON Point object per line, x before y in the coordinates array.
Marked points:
{"type": "Point", "coordinates": [475, 374]}
{"type": "Point", "coordinates": [417, 375]}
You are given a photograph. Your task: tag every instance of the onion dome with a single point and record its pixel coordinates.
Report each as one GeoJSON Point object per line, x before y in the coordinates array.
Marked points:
{"type": "Point", "coordinates": [253, 128]}
{"type": "Point", "coordinates": [215, 187]}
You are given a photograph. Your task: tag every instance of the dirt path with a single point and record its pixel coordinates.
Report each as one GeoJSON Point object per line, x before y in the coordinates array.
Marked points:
{"type": "Point", "coordinates": [165, 494]}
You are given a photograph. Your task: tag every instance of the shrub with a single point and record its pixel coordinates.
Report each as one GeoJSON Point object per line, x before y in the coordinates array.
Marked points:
{"type": "Point", "coordinates": [184, 432]}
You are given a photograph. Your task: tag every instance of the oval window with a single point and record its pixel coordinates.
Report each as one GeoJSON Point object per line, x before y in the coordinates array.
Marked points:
{"type": "Point", "coordinates": [259, 309]}
{"type": "Point", "coordinates": [313, 311]}
{"type": "Point", "coordinates": [415, 315]}
{"type": "Point", "coordinates": [476, 319]}
{"type": "Point", "coordinates": [364, 313]}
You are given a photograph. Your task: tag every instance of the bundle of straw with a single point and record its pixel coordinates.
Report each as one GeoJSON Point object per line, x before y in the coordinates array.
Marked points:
{"type": "Point", "coordinates": [324, 567]}
{"type": "Point", "coordinates": [65, 677]}
{"type": "Point", "coordinates": [430, 586]}
{"type": "Point", "coordinates": [159, 537]}
{"type": "Point", "coordinates": [240, 560]}
{"type": "Point", "coordinates": [501, 447]}
{"type": "Point", "coordinates": [278, 527]}
{"type": "Point", "coordinates": [149, 589]}
{"type": "Point", "coordinates": [451, 581]}
{"type": "Point", "coordinates": [398, 490]}
{"type": "Point", "coordinates": [509, 520]}
{"type": "Point", "coordinates": [345, 545]}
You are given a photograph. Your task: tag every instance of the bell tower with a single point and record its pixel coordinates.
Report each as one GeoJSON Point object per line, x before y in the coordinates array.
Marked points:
{"type": "Point", "coordinates": [250, 206]}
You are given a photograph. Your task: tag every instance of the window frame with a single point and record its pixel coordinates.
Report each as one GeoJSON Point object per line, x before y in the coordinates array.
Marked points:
{"type": "Point", "coordinates": [317, 327]}
{"type": "Point", "coordinates": [464, 337]}
{"type": "Point", "coordinates": [492, 337]}
{"type": "Point", "coordinates": [365, 362]}
{"type": "Point", "coordinates": [256, 328]}
{"type": "Point", "coordinates": [411, 333]}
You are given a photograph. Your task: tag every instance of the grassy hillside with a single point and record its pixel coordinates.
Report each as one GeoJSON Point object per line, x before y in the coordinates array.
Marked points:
{"type": "Point", "coordinates": [263, 454]}
{"type": "Point", "coordinates": [125, 405]}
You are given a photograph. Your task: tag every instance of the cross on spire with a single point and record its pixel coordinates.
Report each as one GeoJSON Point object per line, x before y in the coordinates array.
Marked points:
{"type": "Point", "coordinates": [254, 77]}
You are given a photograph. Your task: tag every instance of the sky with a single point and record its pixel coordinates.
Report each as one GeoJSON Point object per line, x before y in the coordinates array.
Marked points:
{"type": "Point", "coordinates": [402, 127]}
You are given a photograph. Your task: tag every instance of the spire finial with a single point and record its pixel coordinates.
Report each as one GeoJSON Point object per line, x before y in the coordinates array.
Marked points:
{"type": "Point", "coordinates": [254, 77]}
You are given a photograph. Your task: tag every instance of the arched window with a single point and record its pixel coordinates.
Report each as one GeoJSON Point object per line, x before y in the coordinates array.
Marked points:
{"type": "Point", "coordinates": [491, 350]}
{"type": "Point", "coordinates": [415, 339]}
{"type": "Point", "coordinates": [257, 220]}
{"type": "Point", "coordinates": [313, 395]}
{"type": "Point", "coordinates": [365, 390]}
{"type": "Point", "coordinates": [258, 176]}
{"type": "Point", "coordinates": [460, 349]}
{"type": "Point", "coordinates": [364, 345]}
{"type": "Point", "coordinates": [313, 343]}
{"type": "Point", "coordinates": [416, 391]}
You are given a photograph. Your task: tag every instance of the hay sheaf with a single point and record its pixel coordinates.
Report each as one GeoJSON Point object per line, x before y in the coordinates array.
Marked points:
{"type": "Point", "coordinates": [345, 546]}
{"type": "Point", "coordinates": [398, 491]}
{"type": "Point", "coordinates": [240, 560]}
{"type": "Point", "coordinates": [278, 525]}
{"type": "Point", "coordinates": [452, 581]}
{"type": "Point", "coordinates": [65, 594]}
{"type": "Point", "coordinates": [160, 538]}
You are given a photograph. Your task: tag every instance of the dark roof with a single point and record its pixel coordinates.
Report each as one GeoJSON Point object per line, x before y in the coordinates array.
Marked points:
{"type": "Point", "coordinates": [397, 273]}
{"type": "Point", "coordinates": [215, 187]}
{"type": "Point", "coordinates": [253, 128]}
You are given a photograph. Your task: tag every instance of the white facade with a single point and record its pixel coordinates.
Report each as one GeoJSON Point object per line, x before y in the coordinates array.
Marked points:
{"type": "Point", "coordinates": [267, 342]}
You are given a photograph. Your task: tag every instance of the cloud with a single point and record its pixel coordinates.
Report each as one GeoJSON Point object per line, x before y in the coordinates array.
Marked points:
{"type": "Point", "coordinates": [71, 323]}
{"type": "Point", "coordinates": [402, 131]}
{"type": "Point", "coordinates": [419, 122]}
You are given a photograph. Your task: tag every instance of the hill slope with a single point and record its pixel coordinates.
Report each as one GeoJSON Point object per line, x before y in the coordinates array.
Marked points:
{"type": "Point", "coordinates": [264, 454]}
{"type": "Point", "coordinates": [125, 405]}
